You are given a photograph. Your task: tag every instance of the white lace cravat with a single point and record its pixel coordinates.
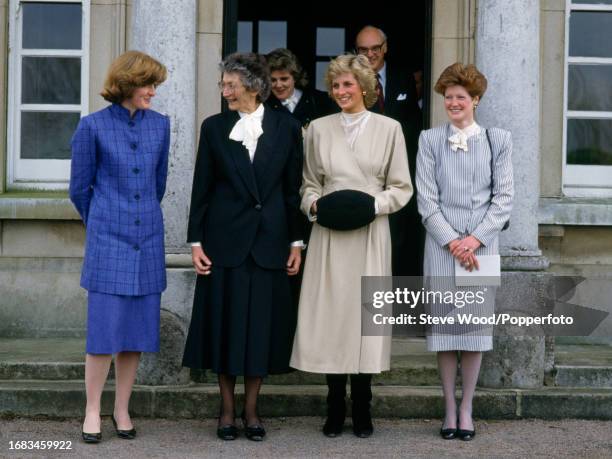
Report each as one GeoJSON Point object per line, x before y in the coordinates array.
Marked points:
{"type": "Point", "coordinates": [248, 129]}
{"type": "Point", "coordinates": [459, 139]}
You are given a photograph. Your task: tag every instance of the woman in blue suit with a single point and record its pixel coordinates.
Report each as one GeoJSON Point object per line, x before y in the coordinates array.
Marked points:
{"type": "Point", "coordinates": [245, 230]}
{"type": "Point", "coordinates": [118, 179]}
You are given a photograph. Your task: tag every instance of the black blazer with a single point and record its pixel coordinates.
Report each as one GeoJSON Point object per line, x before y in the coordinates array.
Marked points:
{"type": "Point", "coordinates": [400, 83]}
{"type": "Point", "coordinates": [407, 232]}
{"type": "Point", "coordinates": [312, 105]}
{"type": "Point", "coordinates": [240, 208]}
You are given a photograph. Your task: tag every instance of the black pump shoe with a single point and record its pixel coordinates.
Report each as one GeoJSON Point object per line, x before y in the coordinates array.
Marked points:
{"type": "Point", "coordinates": [466, 435]}
{"type": "Point", "coordinates": [448, 434]}
{"type": "Point", "coordinates": [227, 432]}
{"type": "Point", "coordinates": [91, 437]}
{"type": "Point", "coordinates": [254, 432]}
{"type": "Point", "coordinates": [124, 434]}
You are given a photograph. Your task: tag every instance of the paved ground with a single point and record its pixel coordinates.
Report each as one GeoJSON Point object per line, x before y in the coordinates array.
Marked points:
{"type": "Point", "coordinates": [300, 437]}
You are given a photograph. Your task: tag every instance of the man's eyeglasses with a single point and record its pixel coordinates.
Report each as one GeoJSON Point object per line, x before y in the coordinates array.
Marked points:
{"type": "Point", "coordinates": [376, 49]}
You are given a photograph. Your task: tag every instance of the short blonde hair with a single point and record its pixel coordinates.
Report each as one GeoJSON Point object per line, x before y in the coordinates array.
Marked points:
{"type": "Point", "coordinates": [360, 68]}
{"type": "Point", "coordinates": [129, 71]}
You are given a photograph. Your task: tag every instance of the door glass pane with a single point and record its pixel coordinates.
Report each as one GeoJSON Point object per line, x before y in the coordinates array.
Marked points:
{"type": "Point", "coordinates": [321, 69]}
{"type": "Point", "coordinates": [589, 142]}
{"type": "Point", "coordinates": [590, 34]}
{"type": "Point", "coordinates": [51, 80]}
{"type": "Point", "coordinates": [272, 35]}
{"type": "Point", "coordinates": [330, 41]}
{"type": "Point", "coordinates": [46, 135]}
{"type": "Point", "coordinates": [51, 25]}
{"type": "Point", "coordinates": [245, 36]}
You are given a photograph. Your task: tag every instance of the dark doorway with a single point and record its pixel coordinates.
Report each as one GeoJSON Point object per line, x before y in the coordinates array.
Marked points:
{"type": "Point", "coordinates": [319, 30]}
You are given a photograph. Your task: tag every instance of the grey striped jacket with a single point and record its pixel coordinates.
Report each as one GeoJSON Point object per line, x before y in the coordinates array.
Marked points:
{"type": "Point", "coordinates": [455, 193]}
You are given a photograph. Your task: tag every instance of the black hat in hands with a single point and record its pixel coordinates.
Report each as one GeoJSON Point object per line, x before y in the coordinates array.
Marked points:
{"type": "Point", "coordinates": [345, 210]}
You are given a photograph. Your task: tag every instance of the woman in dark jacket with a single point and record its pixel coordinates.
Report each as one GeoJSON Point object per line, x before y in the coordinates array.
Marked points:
{"type": "Point", "coordinates": [290, 92]}
{"type": "Point", "coordinates": [244, 227]}
{"type": "Point", "coordinates": [117, 181]}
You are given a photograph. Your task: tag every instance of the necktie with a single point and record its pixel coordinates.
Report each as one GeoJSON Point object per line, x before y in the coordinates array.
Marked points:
{"type": "Point", "coordinates": [381, 95]}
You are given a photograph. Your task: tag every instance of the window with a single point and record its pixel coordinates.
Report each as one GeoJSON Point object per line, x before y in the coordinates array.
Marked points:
{"type": "Point", "coordinates": [587, 135]}
{"type": "Point", "coordinates": [330, 43]}
{"type": "Point", "coordinates": [48, 81]}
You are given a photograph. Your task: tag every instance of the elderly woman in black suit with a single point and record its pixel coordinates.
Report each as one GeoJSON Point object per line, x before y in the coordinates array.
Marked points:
{"type": "Point", "coordinates": [244, 226]}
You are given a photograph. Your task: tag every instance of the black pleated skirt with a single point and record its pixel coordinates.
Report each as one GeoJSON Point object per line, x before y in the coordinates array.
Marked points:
{"type": "Point", "coordinates": [243, 322]}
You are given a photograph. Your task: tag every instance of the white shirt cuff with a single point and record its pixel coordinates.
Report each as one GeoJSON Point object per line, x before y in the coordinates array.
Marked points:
{"type": "Point", "coordinates": [196, 244]}
{"type": "Point", "coordinates": [298, 244]}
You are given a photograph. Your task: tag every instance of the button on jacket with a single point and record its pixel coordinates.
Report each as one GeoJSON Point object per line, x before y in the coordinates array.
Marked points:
{"type": "Point", "coordinates": [118, 178]}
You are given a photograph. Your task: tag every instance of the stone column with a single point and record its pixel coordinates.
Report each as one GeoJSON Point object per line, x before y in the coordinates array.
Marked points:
{"type": "Point", "coordinates": [508, 53]}
{"type": "Point", "coordinates": [166, 29]}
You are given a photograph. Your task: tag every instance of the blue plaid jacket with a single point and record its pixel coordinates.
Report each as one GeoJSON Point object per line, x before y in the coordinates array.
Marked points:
{"type": "Point", "coordinates": [117, 181]}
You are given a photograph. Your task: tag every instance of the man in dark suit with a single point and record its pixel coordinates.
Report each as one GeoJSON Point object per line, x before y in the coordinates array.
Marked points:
{"type": "Point", "coordinates": [398, 100]}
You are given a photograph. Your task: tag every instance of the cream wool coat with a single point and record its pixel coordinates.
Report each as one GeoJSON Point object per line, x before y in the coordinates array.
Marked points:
{"type": "Point", "coordinates": [328, 337]}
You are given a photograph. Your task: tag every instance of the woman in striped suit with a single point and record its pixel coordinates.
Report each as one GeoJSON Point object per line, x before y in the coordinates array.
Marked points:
{"type": "Point", "coordinates": [465, 190]}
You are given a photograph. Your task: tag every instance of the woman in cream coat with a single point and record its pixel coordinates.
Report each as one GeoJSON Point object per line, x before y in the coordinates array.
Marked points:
{"type": "Point", "coordinates": [359, 150]}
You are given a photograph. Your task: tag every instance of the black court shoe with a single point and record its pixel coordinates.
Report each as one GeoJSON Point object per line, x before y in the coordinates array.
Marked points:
{"type": "Point", "coordinates": [465, 435]}
{"type": "Point", "coordinates": [227, 432]}
{"type": "Point", "coordinates": [124, 434]}
{"type": "Point", "coordinates": [448, 434]}
{"type": "Point", "coordinates": [91, 437]}
{"type": "Point", "coordinates": [254, 432]}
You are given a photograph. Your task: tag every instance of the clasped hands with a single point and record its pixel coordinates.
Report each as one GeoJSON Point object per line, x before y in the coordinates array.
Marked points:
{"type": "Point", "coordinates": [463, 250]}
{"type": "Point", "coordinates": [203, 265]}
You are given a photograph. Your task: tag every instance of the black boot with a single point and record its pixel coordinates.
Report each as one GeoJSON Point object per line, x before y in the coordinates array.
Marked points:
{"type": "Point", "coordinates": [361, 395]}
{"type": "Point", "coordinates": [336, 405]}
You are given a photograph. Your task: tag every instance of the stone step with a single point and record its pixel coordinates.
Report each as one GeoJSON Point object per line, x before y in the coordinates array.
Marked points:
{"type": "Point", "coordinates": [63, 359]}
{"type": "Point", "coordinates": [576, 365]}
{"type": "Point", "coordinates": [583, 365]}
{"type": "Point", "coordinates": [67, 399]}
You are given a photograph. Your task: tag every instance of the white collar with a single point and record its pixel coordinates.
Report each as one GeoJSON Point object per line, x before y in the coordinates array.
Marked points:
{"type": "Point", "coordinates": [383, 72]}
{"type": "Point", "coordinates": [469, 131]}
{"type": "Point", "coordinates": [353, 124]}
{"type": "Point", "coordinates": [292, 101]}
{"type": "Point", "coordinates": [257, 113]}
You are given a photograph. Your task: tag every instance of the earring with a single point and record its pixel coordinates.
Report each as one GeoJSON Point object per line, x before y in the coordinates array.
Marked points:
{"type": "Point", "coordinates": [364, 93]}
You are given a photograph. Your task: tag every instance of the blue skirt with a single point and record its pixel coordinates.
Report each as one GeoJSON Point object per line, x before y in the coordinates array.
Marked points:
{"type": "Point", "coordinates": [117, 323]}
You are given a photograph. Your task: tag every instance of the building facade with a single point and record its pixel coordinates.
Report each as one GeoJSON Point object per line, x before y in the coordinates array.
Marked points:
{"type": "Point", "coordinates": [549, 66]}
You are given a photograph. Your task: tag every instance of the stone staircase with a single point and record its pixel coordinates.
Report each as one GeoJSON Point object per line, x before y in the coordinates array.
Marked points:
{"type": "Point", "coordinates": [44, 377]}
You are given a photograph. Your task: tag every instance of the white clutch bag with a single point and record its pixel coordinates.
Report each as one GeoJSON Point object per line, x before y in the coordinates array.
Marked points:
{"type": "Point", "coordinates": [489, 272]}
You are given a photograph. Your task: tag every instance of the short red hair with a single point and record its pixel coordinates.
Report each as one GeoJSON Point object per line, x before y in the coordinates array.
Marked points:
{"type": "Point", "coordinates": [467, 76]}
